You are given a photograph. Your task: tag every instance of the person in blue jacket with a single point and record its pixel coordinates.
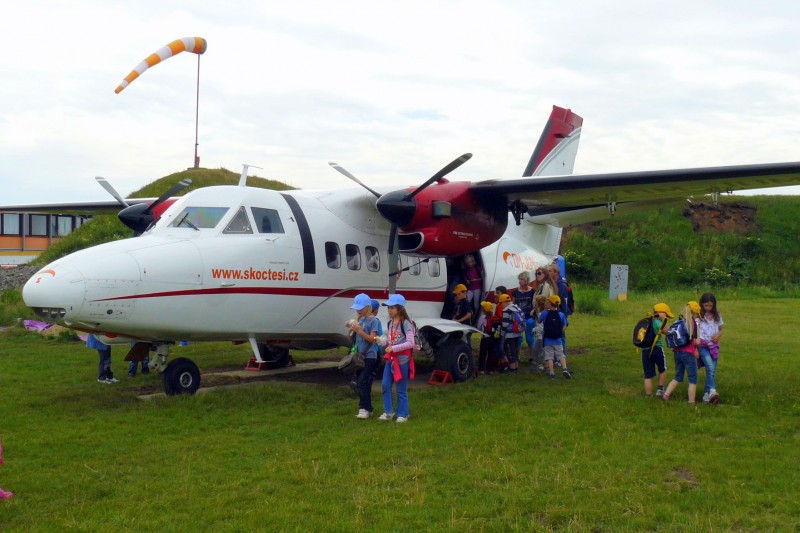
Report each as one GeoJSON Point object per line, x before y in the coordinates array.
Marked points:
{"type": "Point", "coordinates": [104, 373]}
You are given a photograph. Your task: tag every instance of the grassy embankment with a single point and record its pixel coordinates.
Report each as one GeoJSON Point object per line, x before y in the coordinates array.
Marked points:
{"type": "Point", "coordinates": [517, 452]}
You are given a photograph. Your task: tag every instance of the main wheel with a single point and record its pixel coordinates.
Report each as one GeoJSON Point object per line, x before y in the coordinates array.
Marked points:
{"type": "Point", "coordinates": [181, 377]}
{"type": "Point", "coordinates": [456, 357]}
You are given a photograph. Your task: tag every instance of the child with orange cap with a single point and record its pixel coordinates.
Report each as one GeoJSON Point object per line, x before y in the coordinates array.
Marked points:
{"type": "Point", "coordinates": [653, 357]}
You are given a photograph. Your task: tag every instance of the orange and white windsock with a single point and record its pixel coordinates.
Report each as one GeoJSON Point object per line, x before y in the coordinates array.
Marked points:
{"type": "Point", "coordinates": [195, 45]}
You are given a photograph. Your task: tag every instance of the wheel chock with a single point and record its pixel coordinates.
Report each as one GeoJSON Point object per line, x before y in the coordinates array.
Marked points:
{"type": "Point", "coordinates": [255, 365]}
{"type": "Point", "coordinates": [440, 377]}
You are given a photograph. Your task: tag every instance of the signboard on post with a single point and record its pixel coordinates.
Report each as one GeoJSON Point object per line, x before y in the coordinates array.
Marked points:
{"type": "Point", "coordinates": [618, 284]}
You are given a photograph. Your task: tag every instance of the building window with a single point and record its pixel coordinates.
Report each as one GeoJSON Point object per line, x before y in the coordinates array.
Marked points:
{"type": "Point", "coordinates": [38, 226]}
{"type": "Point", "coordinates": [332, 255]}
{"type": "Point", "coordinates": [373, 259]}
{"type": "Point", "coordinates": [62, 226]}
{"type": "Point", "coordinates": [11, 224]}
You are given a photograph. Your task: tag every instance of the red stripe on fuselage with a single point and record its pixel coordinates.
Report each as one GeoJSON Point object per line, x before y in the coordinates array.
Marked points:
{"type": "Point", "coordinates": [412, 295]}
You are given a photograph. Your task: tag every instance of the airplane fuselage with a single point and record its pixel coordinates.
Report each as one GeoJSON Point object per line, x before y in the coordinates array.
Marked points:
{"type": "Point", "coordinates": [238, 263]}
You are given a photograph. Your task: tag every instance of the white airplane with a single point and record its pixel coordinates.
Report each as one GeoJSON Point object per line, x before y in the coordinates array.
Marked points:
{"type": "Point", "coordinates": [280, 269]}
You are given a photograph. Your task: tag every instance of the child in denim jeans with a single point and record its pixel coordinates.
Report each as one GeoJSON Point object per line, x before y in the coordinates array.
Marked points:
{"type": "Point", "coordinates": [709, 331]}
{"type": "Point", "coordinates": [686, 356]}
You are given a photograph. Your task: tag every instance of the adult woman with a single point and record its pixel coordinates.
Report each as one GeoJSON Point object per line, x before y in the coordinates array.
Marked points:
{"type": "Point", "coordinates": [545, 285]}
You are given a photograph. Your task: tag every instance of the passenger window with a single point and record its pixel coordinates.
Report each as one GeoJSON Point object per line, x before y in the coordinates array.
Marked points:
{"type": "Point", "coordinates": [240, 224]}
{"type": "Point", "coordinates": [414, 266]}
{"type": "Point", "coordinates": [373, 258]}
{"type": "Point", "coordinates": [332, 255]}
{"type": "Point", "coordinates": [353, 257]}
{"type": "Point", "coordinates": [267, 220]}
{"type": "Point", "coordinates": [433, 267]}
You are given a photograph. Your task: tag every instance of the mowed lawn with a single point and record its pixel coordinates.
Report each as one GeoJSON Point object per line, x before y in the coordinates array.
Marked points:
{"type": "Point", "coordinates": [504, 452]}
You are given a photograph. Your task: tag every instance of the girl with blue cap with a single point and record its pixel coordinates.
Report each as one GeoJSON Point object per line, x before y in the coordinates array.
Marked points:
{"type": "Point", "coordinates": [399, 366]}
{"type": "Point", "coordinates": [366, 333]}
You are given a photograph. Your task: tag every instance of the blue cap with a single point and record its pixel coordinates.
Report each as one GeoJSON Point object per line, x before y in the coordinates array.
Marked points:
{"type": "Point", "coordinates": [361, 301]}
{"type": "Point", "coordinates": [375, 305]}
{"type": "Point", "coordinates": [395, 299]}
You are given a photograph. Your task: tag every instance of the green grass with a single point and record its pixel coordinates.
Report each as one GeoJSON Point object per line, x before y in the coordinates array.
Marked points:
{"type": "Point", "coordinates": [517, 452]}
{"type": "Point", "coordinates": [663, 249]}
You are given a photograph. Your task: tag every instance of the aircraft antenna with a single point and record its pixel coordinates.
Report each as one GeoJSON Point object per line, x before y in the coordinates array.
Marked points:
{"type": "Point", "coordinates": [243, 177]}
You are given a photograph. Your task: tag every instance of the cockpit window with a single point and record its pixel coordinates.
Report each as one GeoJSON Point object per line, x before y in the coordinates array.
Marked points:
{"type": "Point", "coordinates": [267, 220]}
{"type": "Point", "coordinates": [239, 224]}
{"type": "Point", "coordinates": [199, 217]}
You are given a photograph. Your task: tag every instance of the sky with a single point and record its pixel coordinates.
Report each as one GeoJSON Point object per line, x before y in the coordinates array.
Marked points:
{"type": "Point", "coordinates": [392, 91]}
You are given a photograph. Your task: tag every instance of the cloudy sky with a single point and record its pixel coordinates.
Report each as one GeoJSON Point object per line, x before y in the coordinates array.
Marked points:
{"type": "Point", "coordinates": [392, 91]}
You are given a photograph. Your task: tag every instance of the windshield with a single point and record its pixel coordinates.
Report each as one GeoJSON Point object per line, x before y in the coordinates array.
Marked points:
{"type": "Point", "coordinates": [199, 217]}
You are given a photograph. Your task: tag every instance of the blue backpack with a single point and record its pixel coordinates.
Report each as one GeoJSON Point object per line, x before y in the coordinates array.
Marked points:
{"type": "Point", "coordinates": [678, 334]}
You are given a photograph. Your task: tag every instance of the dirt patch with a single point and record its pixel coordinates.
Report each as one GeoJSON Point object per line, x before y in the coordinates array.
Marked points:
{"type": "Point", "coordinates": [732, 218]}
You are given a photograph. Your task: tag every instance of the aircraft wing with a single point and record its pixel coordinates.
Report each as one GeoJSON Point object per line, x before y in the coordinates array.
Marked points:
{"type": "Point", "coordinates": [110, 207]}
{"type": "Point", "coordinates": [565, 200]}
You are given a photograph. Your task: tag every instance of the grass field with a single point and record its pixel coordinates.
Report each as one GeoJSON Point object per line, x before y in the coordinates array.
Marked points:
{"type": "Point", "coordinates": [499, 453]}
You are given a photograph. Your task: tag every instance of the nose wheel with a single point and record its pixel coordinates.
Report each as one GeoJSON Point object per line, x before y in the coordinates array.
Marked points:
{"type": "Point", "coordinates": [181, 377]}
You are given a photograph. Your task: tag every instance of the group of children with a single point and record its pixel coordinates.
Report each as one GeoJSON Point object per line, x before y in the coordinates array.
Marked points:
{"type": "Point", "coordinates": [703, 325]}
{"type": "Point", "coordinates": [396, 346]}
{"type": "Point", "coordinates": [508, 324]}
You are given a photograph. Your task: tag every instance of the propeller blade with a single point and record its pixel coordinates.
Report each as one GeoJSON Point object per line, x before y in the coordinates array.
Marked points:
{"type": "Point", "coordinates": [439, 175]}
{"type": "Point", "coordinates": [170, 193]}
{"type": "Point", "coordinates": [344, 172]}
{"type": "Point", "coordinates": [111, 190]}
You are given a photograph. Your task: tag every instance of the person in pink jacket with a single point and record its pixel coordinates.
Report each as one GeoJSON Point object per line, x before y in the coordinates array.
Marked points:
{"type": "Point", "coordinates": [399, 367]}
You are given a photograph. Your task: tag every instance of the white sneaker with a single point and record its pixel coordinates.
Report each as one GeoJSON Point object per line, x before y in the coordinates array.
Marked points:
{"type": "Point", "coordinates": [112, 380]}
{"type": "Point", "coordinates": [401, 419]}
{"type": "Point", "coordinates": [363, 413]}
{"type": "Point", "coordinates": [386, 416]}
{"type": "Point", "coordinates": [705, 398]}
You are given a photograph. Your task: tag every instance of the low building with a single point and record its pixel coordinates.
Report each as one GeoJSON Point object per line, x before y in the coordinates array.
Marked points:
{"type": "Point", "coordinates": [23, 236]}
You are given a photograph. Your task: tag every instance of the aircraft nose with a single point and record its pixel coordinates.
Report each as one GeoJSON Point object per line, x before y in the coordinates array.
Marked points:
{"type": "Point", "coordinates": [55, 292]}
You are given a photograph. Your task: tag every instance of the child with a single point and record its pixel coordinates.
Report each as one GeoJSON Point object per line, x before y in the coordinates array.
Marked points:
{"type": "Point", "coordinates": [487, 353]}
{"type": "Point", "coordinates": [538, 332]}
{"type": "Point", "coordinates": [104, 373]}
{"type": "Point", "coordinates": [523, 298]}
{"type": "Point", "coordinates": [686, 356]}
{"type": "Point", "coordinates": [474, 281]}
{"type": "Point", "coordinates": [653, 356]}
{"type": "Point", "coordinates": [366, 333]}
{"type": "Point", "coordinates": [462, 311]}
{"type": "Point", "coordinates": [509, 340]}
{"type": "Point", "coordinates": [709, 331]}
{"type": "Point", "coordinates": [399, 366]}
{"type": "Point", "coordinates": [554, 322]}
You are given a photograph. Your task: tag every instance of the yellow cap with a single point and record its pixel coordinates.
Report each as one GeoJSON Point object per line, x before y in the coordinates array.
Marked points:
{"type": "Point", "coordinates": [459, 288]}
{"type": "Point", "coordinates": [694, 306]}
{"type": "Point", "coordinates": [663, 308]}
{"type": "Point", "coordinates": [554, 299]}
{"type": "Point", "coordinates": [504, 298]}
{"type": "Point", "coordinates": [487, 306]}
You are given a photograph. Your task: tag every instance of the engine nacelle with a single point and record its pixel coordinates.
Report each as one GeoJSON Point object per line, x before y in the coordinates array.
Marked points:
{"type": "Point", "coordinates": [449, 220]}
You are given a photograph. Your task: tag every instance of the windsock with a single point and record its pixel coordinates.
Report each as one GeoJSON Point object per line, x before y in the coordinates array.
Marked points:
{"type": "Point", "coordinates": [195, 45]}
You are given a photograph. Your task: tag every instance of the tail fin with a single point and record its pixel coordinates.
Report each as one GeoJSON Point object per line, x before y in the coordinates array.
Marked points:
{"type": "Point", "coordinates": [562, 124]}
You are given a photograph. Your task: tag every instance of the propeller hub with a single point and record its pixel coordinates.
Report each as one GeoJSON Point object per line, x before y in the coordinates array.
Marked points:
{"type": "Point", "coordinates": [397, 208]}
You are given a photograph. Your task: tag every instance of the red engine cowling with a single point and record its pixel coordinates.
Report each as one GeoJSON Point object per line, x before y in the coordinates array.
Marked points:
{"type": "Point", "coordinates": [449, 220]}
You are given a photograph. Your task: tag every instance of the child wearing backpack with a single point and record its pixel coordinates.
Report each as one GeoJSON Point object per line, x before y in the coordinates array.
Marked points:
{"type": "Point", "coordinates": [554, 322]}
{"type": "Point", "coordinates": [685, 354]}
{"type": "Point", "coordinates": [709, 331]}
{"type": "Point", "coordinates": [512, 328]}
{"type": "Point", "coordinates": [653, 355]}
